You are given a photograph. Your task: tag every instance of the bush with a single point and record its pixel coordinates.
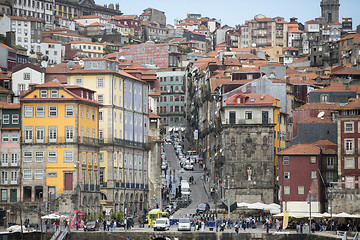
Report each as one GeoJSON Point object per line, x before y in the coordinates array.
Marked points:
{"type": "Point", "coordinates": [119, 215]}
{"type": "Point", "coordinates": [101, 215]}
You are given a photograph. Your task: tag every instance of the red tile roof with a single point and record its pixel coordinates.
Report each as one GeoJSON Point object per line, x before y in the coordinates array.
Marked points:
{"type": "Point", "coordinates": [319, 106]}
{"type": "Point", "coordinates": [49, 40]}
{"type": "Point", "coordinates": [95, 24]}
{"type": "Point", "coordinates": [6, 46]}
{"type": "Point", "coordinates": [317, 120]}
{"type": "Point", "coordinates": [9, 105]}
{"type": "Point", "coordinates": [85, 42]}
{"type": "Point", "coordinates": [253, 99]}
{"type": "Point", "coordinates": [301, 149]}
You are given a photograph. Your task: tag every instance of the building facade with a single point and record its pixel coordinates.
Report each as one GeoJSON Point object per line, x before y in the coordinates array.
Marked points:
{"type": "Point", "coordinates": [60, 147]}
{"type": "Point", "coordinates": [123, 130]}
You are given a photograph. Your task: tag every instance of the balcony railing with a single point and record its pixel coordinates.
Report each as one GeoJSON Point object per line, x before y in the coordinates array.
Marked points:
{"type": "Point", "coordinates": [84, 140]}
{"type": "Point", "coordinates": [123, 142]}
{"type": "Point", "coordinates": [90, 187]}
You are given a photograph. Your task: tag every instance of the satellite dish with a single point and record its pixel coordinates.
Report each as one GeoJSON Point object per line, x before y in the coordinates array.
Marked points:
{"type": "Point", "coordinates": [321, 114]}
{"type": "Point", "coordinates": [253, 45]}
{"type": "Point", "coordinates": [121, 58]}
{"type": "Point", "coordinates": [70, 63]}
{"type": "Point", "coordinates": [81, 63]}
{"type": "Point", "coordinates": [44, 64]}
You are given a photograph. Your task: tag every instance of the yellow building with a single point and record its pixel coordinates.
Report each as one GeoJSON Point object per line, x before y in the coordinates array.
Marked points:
{"type": "Point", "coordinates": [60, 147]}
{"type": "Point", "coordinates": [123, 130]}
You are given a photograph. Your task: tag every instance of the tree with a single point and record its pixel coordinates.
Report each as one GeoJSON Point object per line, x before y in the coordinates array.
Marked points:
{"type": "Point", "coordinates": [86, 215]}
{"type": "Point", "coordinates": [108, 50]}
{"type": "Point", "coordinates": [101, 215]}
{"type": "Point", "coordinates": [185, 50]}
{"type": "Point", "coordinates": [119, 215]}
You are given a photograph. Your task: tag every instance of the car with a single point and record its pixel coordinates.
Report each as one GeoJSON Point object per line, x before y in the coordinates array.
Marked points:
{"type": "Point", "coordinates": [202, 208]}
{"type": "Point", "coordinates": [168, 139]}
{"type": "Point", "coordinates": [184, 224]}
{"type": "Point", "coordinates": [164, 166]}
{"type": "Point", "coordinates": [162, 224]}
{"type": "Point", "coordinates": [169, 209]}
{"type": "Point", "coordinates": [91, 226]}
{"type": "Point", "coordinates": [174, 205]}
{"type": "Point", "coordinates": [189, 167]}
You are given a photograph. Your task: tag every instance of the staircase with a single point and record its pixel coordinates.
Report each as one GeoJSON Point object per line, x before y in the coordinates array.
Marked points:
{"type": "Point", "coordinates": [60, 234]}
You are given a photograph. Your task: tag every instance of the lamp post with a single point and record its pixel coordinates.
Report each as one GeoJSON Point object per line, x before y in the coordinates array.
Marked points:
{"type": "Point", "coordinates": [40, 193]}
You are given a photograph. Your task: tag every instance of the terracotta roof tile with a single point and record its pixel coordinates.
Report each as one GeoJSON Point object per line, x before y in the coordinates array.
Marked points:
{"type": "Point", "coordinates": [319, 106]}
{"type": "Point", "coordinates": [49, 40]}
{"type": "Point", "coordinates": [301, 149]}
{"type": "Point", "coordinates": [6, 46]}
{"type": "Point", "coordinates": [253, 99]}
{"type": "Point", "coordinates": [9, 105]}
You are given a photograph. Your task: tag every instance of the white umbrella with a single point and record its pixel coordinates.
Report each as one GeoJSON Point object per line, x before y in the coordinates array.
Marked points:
{"type": "Point", "coordinates": [326, 215]}
{"type": "Point", "coordinates": [51, 216]}
{"type": "Point", "coordinates": [342, 215]}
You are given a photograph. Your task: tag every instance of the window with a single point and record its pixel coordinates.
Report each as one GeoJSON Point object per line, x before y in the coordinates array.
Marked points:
{"type": "Point", "coordinates": [349, 127]}
{"type": "Point", "coordinates": [100, 98]}
{"type": "Point", "coordinates": [15, 137]}
{"type": "Point", "coordinates": [79, 81]}
{"type": "Point", "coordinates": [87, 113]}
{"type": "Point", "coordinates": [330, 162]}
{"type": "Point", "coordinates": [27, 156]}
{"type": "Point", "coordinates": [13, 177]}
{"type": "Point", "coordinates": [93, 114]}
{"type": "Point", "coordinates": [4, 159]}
{"type": "Point", "coordinates": [6, 119]}
{"type": "Point", "coordinates": [349, 182]}
{"type": "Point", "coordinates": [349, 163]}
{"type": "Point", "coordinates": [69, 134]}
{"type": "Point", "coordinates": [39, 156]}
{"type": "Point", "coordinates": [68, 155]}
{"type": "Point", "coordinates": [89, 158]}
{"type": "Point", "coordinates": [100, 82]}
{"type": "Point", "coordinates": [101, 157]}
{"type": "Point", "coordinates": [52, 111]}
{"type": "Point", "coordinates": [232, 117]}
{"type": "Point", "coordinates": [14, 159]}
{"type": "Point", "coordinates": [28, 111]}
{"type": "Point", "coordinates": [95, 159]}
{"type": "Point", "coordinates": [40, 134]}
{"type": "Point", "coordinates": [15, 119]}
{"type": "Point", "coordinates": [5, 137]}
{"type": "Point", "coordinates": [3, 195]}
{"type": "Point", "coordinates": [28, 132]}
{"type": "Point", "coordinates": [82, 111]}
{"type": "Point", "coordinates": [313, 159]}
{"type": "Point", "coordinates": [286, 160]}
{"type": "Point", "coordinates": [313, 175]}
{"type": "Point", "coordinates": [301, 190]}
{"type": "Point", "coordinates": [324, 98]}
{"type": "Point", "coordinates": [26, 76]}
{"type": "Point", "coordinates": [27, 173]}
{"type": "Point", "coordinates": [287, 190]}
{"type": "Point", "coordinates": [39, 173]}
{"type": "Point", "coordinates": [248, 115]}
{"type": "Point", "coordinates": [54, 93]}
{"type": "Point", "coordinates": [286, 175]}
{"type": "Point", "coordinates": [100, 116]}
{"type": "Point", "coordinates": [40, 111]}
{"type": "Point", "coordinates": [349, 146]}
{"type": "Point", "coordinates": [52, 134]}
{"type": "Point", "coordinates": [52, 156]}
{"type": "Point", "coordinates": [43, 93]}
{"type": "Point", "coordinates": [69, 111]}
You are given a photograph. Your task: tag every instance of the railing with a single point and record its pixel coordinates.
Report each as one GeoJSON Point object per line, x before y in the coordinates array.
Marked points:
{"type": "Point", "coordinates": [90, 187]}
{"type": "Point", "coordinates": [122, 142]}
{"type": "Point", "coordinates": [87, 140]}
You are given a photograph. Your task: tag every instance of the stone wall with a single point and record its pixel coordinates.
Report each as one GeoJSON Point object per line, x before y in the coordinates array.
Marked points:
{"type": "Point", "coordinates": [346, 200]}
{"type": "Point", "coordinates": [190, 235]}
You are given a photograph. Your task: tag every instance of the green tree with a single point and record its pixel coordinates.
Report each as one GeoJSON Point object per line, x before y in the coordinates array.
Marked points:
{"type": "Point", "coordinates": [119, 215]}
{"type": "Point", "coordinates": [185, 50]}
{"type": "Point", "coordinates": [108, 50]}
{"type": "Point", "coordinates": [113, 215]}
{"type": "Point", "coordinates": [101, 215]}
{"type": "Point", "coordinates": [86, 215]}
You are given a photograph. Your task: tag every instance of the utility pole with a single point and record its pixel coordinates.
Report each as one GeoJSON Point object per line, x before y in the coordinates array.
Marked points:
{"type": "Point", "coordinates": [228, 187]}
{"type": "Point", "coordinates": [310, 210]}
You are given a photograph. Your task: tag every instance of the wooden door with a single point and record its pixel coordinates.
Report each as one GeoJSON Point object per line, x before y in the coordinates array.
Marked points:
{"type": "Point", "coordinates": [68, 181]}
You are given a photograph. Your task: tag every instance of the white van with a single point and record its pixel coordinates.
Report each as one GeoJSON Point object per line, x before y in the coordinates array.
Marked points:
{"type": "Point", "coordinates": [185, 189]}
{"type": "Point", "coordinates": [162, 224]}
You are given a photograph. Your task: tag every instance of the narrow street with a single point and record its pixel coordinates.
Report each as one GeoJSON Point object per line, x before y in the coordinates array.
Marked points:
{"type": "Point", "coordinates": [198, 193]}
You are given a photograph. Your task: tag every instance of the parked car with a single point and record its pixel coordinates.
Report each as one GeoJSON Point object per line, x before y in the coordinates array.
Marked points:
{"type": "Point", "coordinates": [174, 205]}
{"type": "Point", "coordinates": [184, 224]}
{"type": "Point", "coordinates": [189, 167]}
{"type": "Point", "coordinates": [169, 209]}
{"type": "Point", "coordinates": [162, 224]}
{"type": "Point", "coordinates": [202, 208]}
{"type": "Point", "coordinates": [91, 226]}
{"type": "Point", "coordinates": [164, 166]}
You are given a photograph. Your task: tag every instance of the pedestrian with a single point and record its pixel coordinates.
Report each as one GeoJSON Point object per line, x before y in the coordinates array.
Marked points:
{"type": "Point", "coordinates": [108, 225]}
{"type": "Point", "coordinates": [112, 225]}
{"type": "Point", "coordinates": [57, 223]}
{"type": "Point", "coordinates": [202, 226]}
{"type": "Point", "coordinates": [217, 225]}
{"type": "Point", "coordinates": [237, 230]}
{"type": "Point", "coordinates": [125, 224]}
{"type": "Point", "coordinates": [267, 225]}
{"type": "Point", "coordinates": [104, 225]}
{"type": "Point", "coordinates": [77, 225]}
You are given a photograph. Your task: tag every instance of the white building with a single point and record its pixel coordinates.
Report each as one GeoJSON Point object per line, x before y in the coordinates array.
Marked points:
{"type": "Point", "coordinates": [27, 31]}
{"type": "Point", "coordinates": [61, 22]}
{"type": "Point", "coordinates": [244, 37]}
{"type": "Point", "coordinates": [52, 49]}
{"type": "Point", "coordinates": [39, 9]}
{"type": "Point", "coordinates": [25, 75]}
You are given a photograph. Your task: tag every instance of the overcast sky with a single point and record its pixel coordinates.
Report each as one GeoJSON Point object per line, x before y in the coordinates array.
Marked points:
{"type": "Point", "coordinates": [234, 12]}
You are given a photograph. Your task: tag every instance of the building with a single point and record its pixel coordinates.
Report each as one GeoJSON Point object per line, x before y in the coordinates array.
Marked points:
{"type": "Point", "coordinates": [155, 55]}
{"type": "Point", "coordinates": [249, 158]}
{"type": "Point", "coordinates": [330, 10]}
{"type": "Point", "coordinates": [153, 15]}
{"type": "Point", "coordinates": [171, 104]}
{"type": "Point", "coordinates": [75, 8]}
{"type": "Point", "coordinates": [51, 50]}
{"type": "Point", "coordinates": [24, 77]}
{"type": "Point", "coordinates": [60, 148]}
{"type": "Point", "coordinates": [123, 130]}
{"type": "Point", "coordinates": [349, 48]}
{"type": "Point", "coordinates": [65, 36]}
{"type": "Point", "coordinates": [6, 7]}
{"type": "Point", "coordinates": [131, 21]}
{"type": "Point", "coordinates": [84, 49]}
{"type": "Point", "coordinates": [8, 59]}
{"type": "Point", "coordinates": [10, 155]}
{"type": "Point", "coordinates": [347, 24]}
{"type": "Point", "coordinates": [298, 188]}
{"type": "Point", "coordinates": [38, 9]}
{"type": "Point", "coordinates": [27, 31]}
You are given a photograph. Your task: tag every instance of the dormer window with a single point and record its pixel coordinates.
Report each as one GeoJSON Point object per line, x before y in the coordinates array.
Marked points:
{"type": "Point", "coordinates": [324, 98]}
{"type": "Point", "coordinates": [238, 100]}
{"type": "Point", "coordinates": [54, 93]}
{"type": "Point", "coordinates": [43, 93]}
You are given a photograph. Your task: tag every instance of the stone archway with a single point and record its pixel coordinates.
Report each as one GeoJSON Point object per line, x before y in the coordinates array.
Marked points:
{"type": "Point", "coordinates": [136, 203]}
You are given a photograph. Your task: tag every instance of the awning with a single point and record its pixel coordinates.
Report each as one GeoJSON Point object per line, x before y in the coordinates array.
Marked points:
{"type": "Point", "coordinates": [273, 208]}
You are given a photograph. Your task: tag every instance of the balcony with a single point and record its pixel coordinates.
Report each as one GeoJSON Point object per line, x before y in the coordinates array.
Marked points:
{"type": "Point", "coordinates": [103, 184]}
{"type": "Point", "coordinates": [81, 140]}
{"type": "Point", "coordinates": [90, 187]}
{"type": "Point", "coordinates": [87, 140]}
{"type": "Point", "coordinates": [117, 184]}
{"type": "Point", "coordinates": [122, 142]}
